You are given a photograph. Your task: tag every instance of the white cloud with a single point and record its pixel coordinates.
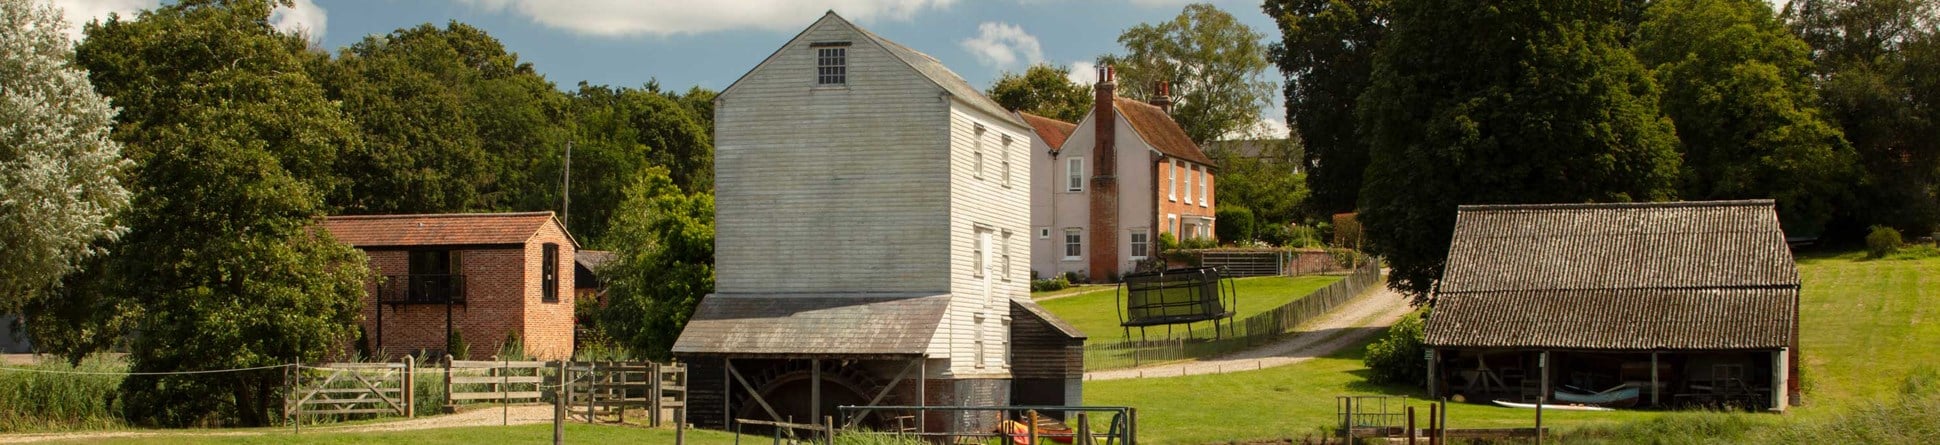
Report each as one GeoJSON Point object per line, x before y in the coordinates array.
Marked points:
{"type": "Point", "coordinates": [1265, 128]}
{"type": "Point", "coordinates": [1083, 73]}
{"type": "Point", "coordinates": [306, 18]}
{"type": "Point", "coordinates": [80, 12]}
{"type": "Point", "coordinates": [1004, 46]}
{"type": "Point", "coordinates": [614, 18]}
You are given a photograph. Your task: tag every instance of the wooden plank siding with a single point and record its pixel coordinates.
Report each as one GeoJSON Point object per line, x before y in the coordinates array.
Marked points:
{"type": "Point", "coordinates": [988, 203]}
{"type": "Point", "coordinates": [862, 164]}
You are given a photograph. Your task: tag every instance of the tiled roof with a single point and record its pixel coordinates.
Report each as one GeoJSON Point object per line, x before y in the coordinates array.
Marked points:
{"type": "Point", "coordinates": [1618, 246]}
{"type": "Point", "coordinates": [1052, 131]}
{"type": "Point", "coordinates": [1049, 318]}
{"type": "Point", "coordinates": [934, 70]}
{"type": "Point", "coordinates": [1158, 129]}
{"type": "Point", "coordinates": [797, 325]}
{"type": "Point", "coordinates": [592, 259]}
{"type": "Point", "coordinates": [1619, 319]}
{"type": "Point", "coordinates": [1679, 275]}
{"type": "Point", "coordinates": [447, 229]}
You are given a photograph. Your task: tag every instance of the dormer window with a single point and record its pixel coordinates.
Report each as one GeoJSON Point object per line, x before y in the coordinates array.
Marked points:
{"type": "Point", "coordinates": [831, 63]}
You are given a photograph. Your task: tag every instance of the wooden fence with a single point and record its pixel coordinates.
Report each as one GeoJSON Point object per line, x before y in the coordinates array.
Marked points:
{"type": "Point", "coordinates": [1259, 329]}
{"type": "Point", "coordinates": [597, 389]}
{"type": "Point", "coordinates": [351, 388]}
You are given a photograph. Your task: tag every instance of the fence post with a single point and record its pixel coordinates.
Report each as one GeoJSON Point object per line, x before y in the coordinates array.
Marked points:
{"type": "Point", "coordinates": [449, 404]}
{"type": "Point", "coordinates": [410, 387]}
{"type": "Point", "coordinates": [559, 406]}
{"type": "Point", "coordinates": [505, 391]}
{"type": "Point", "coordinates": [592, 377]}
{"type": "Point", "coordinates": [653, 392]}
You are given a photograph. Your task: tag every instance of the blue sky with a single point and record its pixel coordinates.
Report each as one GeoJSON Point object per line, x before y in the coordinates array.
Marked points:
{"type": "Point", "coordinates": [710, 43]}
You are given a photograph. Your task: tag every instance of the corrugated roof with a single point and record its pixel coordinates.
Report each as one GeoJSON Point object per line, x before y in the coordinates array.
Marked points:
{"type": "Point", "coordinates": [1049, 318]}
{"type": "Point", "coordinates": [445, 229]}
{"type": "Point", "coordinates": [936, 72]}
{"type": "Point", "coordinates": [1158, 129]}
{"type": "Point", "coordinates": [812, 325]}
{"type": "Point", "coordinates": [1638, 276]}
{"type": "Point", "coordinates": [592, 259]}
{"type": "Point", "coordinates": [1618, 246]}
{"type": "Point", "coordinates": [1052, 131]}
{"type": "Point", "coordinates": [1617, 319]}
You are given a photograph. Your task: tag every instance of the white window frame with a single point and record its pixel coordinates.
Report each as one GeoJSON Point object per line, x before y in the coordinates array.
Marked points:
{"type": "Point", "coordinates": [981, 357]}
{"type": "Point", "coordinates": [1070, 232]}
{"type": "Point", "coordinates": [1043, 233]}
{"type": "Point", "coordinates": [1189, 172]}
{"type": "Point", "coordinates": [1172, 222]}
{"type": "Point", "coordinates": [1003, 342]}
{"type": "Point", "coordinates": [1137, 244]}
{"type": "Point", "coordinates": [1074, 174]}
{"type": "Point", "coordinates": [832, 65]}
{"type": "Point", "coordinates": [976, 253]}
{"type": "Point", "coordinates": [1172, 177]}
{"type": "Point", "coordinates": [1006, 161]}
{"type": "Point", "coordinates": [1203, 190]}
{"type": "Point", "coordinates": [1003, 257]}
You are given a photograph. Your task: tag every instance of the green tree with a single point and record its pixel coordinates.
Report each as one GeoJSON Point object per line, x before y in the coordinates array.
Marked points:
{"type": "Point", "coordinates": [1739, 88]}
{"type": "Point", "coordinates": [1216, 66]}
{"type": "Point", "coordinates": [1544, 107]}
{"type": "Point", "coordinates": [221, 268]}
{"type": "Point", "coordinates": [619, 132]}
{"type": "Point", "coordinates": [1269, 185]}
{"type": "Point", "coordinates": [1878, 66]}
{"type": "Point", "coordinates": [59, 190]}
{"type": "Point", "coordinates": [1043, 90]}
{"type": "Point", "coordinates": [1326, 52]}
{"type": "Point", "coordinates": [451, 121]}
{"type": "Point", "coordinates": [663, 263]}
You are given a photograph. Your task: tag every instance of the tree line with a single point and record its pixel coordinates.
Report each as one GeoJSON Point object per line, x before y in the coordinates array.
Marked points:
{"type": "Point", "coordinates": [163, 179]}
{"type": "Point", "coordinates": [1410, 108]}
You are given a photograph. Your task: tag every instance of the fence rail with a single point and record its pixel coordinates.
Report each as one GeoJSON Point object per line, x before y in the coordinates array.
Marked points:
{"type": "Point", "coordinates": [1258, 329]}
{"type": "Point", "coordinates": [350, 388]}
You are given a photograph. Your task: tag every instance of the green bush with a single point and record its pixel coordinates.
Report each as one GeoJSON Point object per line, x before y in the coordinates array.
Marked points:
{"type": "Point", "coordinates": [1396, 358]}
{"type": "Point", "coordinates": [1302, 236]}
{"type": "Point", "coordinates": [1168, 242]}
{"type": "Point", "coordinates": [1883, 241]}
{"type": "Point", "coordinates": [38, 401]}
{"type": "Point", "coordinates": [1234, 224]}
{"type": "Point", "coordinates": [1058, 283]}
{"type": "Point", "coordinates": [1273, 233]}
{"type": "Point", "coordinates": [459, 350]}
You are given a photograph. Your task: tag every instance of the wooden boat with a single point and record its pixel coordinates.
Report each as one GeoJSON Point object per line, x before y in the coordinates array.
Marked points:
{"type": "Point", "coordinates": [1552, 406]}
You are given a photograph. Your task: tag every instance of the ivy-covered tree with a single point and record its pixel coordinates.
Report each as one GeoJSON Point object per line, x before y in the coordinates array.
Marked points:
{"type": "Point", "coordinates": [1043, 90]}
{"type": "Point", "coordinates": [59, 186]}
{"type": "Point", "coordinates": [663, 263]}
{"type": "Point", "coordinates": [1215, 64]}
{"type": "Point", "coordinates": [221, 267]}
{"type": "Point", "coordinates": [1326, 52]}
{"type": "Point", "coordinates": [1494, 102]}
{"type": "Point", "coordinates": [1739, 87]}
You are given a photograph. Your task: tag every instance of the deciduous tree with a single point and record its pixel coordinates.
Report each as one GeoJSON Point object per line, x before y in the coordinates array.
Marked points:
{"type": "Point", "coordinates": [1043, 90]}
{"type": "Point", "coordinates": [1493, 102]}
{"type": "Point", "coordinates": [664, 263]}
{"type": "Point", "coordinates": [1216, 65]}
{"type": "Point", "coordinates": [1326, 52]}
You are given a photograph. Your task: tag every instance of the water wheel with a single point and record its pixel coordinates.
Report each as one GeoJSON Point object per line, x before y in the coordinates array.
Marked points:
{"type": "Point", "coordinates": [788, 388]}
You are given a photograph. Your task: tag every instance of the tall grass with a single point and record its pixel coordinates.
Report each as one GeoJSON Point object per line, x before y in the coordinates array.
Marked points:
{"type": "Point", "coordinates": [1912, 417]}
{"type": "Point", "coordinates": [39, 401]}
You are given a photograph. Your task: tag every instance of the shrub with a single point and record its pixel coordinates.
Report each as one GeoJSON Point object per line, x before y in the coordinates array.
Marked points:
{"type": "Point", "coordinates": [47, 401]}
{"type": "Point", "coordinates": [459, 350]}
{"type": "Point", "coordinates": [1883, 241]}
{"type": "Point", "coordinates": [1302, 236]}
{"type": "Point", "coordinates": [1198, 243]}
{"type": "Point", "coordinates": [1274, 234]}
{"type": "Point", "coordinates": [1058, 283]}
{"type": "Point", "coordinates": [1074, 278]}
{"type": "Point", "coordinates": [1234, 224]}
{"type": "Point", "coordinates": [1168, 242]}
{"type": "Point", "coordinates": [1347, 231]}
{"type": "Point", "coordinates": [1396, 358]}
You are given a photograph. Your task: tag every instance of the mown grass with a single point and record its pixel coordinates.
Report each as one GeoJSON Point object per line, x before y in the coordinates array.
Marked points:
{"type": "Point", "coordinates": [1868, 328]}
{"type": "Point", "coordinates": [1096, 313]}
{"type": "Point", "coordinates": [39, 401]}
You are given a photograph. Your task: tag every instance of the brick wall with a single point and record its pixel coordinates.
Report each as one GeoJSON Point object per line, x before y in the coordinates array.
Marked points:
{"type": "Point", "coordinates": [1180, 207]}
{"type": "Point", "coordinates": [502, 298]}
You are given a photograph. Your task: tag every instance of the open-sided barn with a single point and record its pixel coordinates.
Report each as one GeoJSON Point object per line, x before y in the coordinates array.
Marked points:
{"type": "Point", "coordinates": [1659, 304]}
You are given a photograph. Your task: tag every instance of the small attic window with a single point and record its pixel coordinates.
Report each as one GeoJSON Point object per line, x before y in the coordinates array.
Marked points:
{"type": "Point", "coordinates": [831, 63]}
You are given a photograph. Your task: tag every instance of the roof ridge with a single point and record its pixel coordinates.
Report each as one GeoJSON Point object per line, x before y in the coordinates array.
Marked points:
{"type": "Point", "coordinates": [441, 215]}
{"type": "Point", "coordinates": [1617, 205]}
{"type": "Point", "coordinates": [1625, 288]}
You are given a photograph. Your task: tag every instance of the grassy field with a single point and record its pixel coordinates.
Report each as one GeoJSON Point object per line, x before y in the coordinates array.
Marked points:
{"type": "Point", "coordinates": [1866, 327]}
{"type": "Point", "coordinates": [1094, 313]}
{"type": "Point", "coordinates": [575, 433]}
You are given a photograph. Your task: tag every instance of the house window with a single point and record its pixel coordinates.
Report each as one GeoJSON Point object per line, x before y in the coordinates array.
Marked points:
{"type": "Point", "coordinates": [1074, 174]}
{"type": "Point", "coordinates": [1172, 221]}
{"type": "Point", "coordinates": [1203, 191]}
{"type": "Point", "coordinates": [831, 66]}
{"type": "Point", "coordinates": [1172, 177]}
{"type": "Point", "coordinates": [549, 274]}
{"type": "Point", "coordinates": [431, 279]}
{"type": "Point", "coordinates": [978, 152]}
{"type": "Point", "coordinates": [979, 168]}
{"type": "Point", "coordinates": [1003, 259]}
{"type": "Point", "coordinates": [1074, 243]}
{"type": "Point", "coordinates": [976, 253]}
{"type": "Point", "coordinates": [1044, 233]}
{"type": "Point", "coordinates": [1188, 183]}
{"type": "Point", "coordinates": [1141, 244]}
{"type": "Point", "coordinates": [980, 355]}
{"type": "Point", "coordinates": [1006, 164]}
{"type": "Point", "coordinates": [1003, 343]}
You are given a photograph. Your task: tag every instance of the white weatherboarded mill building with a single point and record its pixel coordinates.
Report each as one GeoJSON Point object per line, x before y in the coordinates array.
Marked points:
{"type": "Point", "coordinates": [872, 215]}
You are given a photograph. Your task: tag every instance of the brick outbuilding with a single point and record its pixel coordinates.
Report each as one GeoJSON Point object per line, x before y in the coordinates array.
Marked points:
{"type": "Point", "coordinates": [486, 276]}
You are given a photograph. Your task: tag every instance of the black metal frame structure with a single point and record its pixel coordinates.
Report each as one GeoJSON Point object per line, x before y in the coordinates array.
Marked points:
{"type": "Point", "coordinates": [1176, 296]}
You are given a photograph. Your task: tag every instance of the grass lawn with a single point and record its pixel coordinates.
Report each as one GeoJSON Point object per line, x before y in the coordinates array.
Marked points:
{"type": "Point", "coordinates": [1866, 326]}
{"type": "Point", "coordinates": [542, 433]}
{"type": "Point", "coordinates": [1095, 314]}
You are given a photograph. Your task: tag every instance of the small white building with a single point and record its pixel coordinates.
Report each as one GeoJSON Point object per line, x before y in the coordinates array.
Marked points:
{"type": "Point", "coordinates": [1111, 184]}
{"type": "Point", "coordinates": [872, 218]}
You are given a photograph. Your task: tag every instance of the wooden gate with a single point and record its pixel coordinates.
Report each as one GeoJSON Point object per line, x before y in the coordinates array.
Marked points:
{"type": "Point", "coordinates": [609, 388]}
{"type": "Point", "coordinates": [351, 388]}
{"type": "Point", "coordinates": [500, 381]}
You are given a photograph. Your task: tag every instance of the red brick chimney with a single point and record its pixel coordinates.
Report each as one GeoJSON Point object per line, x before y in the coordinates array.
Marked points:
{"type": "Point", "coordinates": [1164, 99]}
{"type": "Point", "coordinates": [1104, 180]}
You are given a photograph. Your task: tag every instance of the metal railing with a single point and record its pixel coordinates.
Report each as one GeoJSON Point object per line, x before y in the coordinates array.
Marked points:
{"type": "Point", "coordinates": [1118, 427]}
{"type": "Point", "coordinates": [422, 289]}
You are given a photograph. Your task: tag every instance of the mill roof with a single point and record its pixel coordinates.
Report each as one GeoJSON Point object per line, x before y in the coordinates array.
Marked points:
{"type": "Point", "coordinates": [812, 325]}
